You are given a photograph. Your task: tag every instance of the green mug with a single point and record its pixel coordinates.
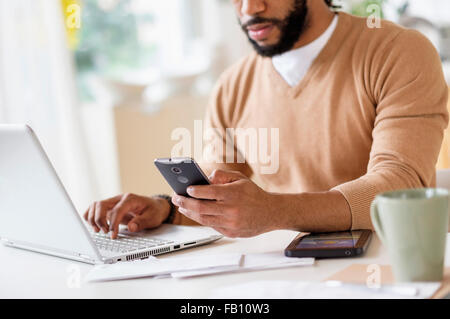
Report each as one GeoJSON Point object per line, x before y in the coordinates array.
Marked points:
{"type": "Point", "coordinates": [413, 224]}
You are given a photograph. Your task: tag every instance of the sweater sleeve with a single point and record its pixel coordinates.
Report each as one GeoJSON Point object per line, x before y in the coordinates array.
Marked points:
{"type": "Point", "coordinates": [411, 116]}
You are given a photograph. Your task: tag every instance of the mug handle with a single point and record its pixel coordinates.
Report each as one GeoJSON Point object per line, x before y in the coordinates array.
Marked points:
{"type": "Point", "coordinates": [375, 216]}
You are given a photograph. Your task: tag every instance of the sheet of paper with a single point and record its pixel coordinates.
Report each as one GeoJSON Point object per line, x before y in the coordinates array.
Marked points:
{"type": "Point", "coordinates": [310, 290]}
{"type": "Point", "coordinates": [250, 262]}
{"type": "Point", "coordinates": [157, 267]}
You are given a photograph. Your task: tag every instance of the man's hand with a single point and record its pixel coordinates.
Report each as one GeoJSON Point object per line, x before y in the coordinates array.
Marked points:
{"type": "Point", "coordinates": [138, 212]}
{"type": "Point", "coordinates": [237, 207]}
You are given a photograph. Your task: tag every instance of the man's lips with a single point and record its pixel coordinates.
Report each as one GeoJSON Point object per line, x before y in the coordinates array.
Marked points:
{"type": "Point", "coordinates": [260, 31]}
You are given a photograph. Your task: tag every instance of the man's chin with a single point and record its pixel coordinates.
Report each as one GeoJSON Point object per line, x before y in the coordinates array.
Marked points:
{"type": "Point", "coordinates": [266, 50]}
{"type": "Point", "coordinates": [270, 41]}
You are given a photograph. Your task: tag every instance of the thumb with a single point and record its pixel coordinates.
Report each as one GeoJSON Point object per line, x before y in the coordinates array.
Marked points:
{"type": "Point", "coordinates": [140, 222]}
{"type": "Point", "coordinates": [224, 177]}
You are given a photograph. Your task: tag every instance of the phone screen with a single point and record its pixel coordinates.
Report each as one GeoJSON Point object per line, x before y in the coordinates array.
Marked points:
{"type": "Point", "coordinates": [330, 240]}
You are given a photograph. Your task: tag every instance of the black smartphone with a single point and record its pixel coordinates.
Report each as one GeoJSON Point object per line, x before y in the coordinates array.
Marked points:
{"type": "Point", "coordinates": [180, 173]}
{"type": "Point", "coordinates": [330, 245]}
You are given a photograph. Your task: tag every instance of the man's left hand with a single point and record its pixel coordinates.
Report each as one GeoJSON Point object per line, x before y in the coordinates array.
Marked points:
{"type": "Point", "coordinates": [233, 205]}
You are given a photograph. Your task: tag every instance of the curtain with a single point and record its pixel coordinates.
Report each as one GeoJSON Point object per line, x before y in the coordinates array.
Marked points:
{"type": "Point", "coordinates": [37, 87]}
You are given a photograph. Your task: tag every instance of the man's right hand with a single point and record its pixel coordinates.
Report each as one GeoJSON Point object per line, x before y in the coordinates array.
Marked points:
{"type": "Point", "coordinates": [138, 212]}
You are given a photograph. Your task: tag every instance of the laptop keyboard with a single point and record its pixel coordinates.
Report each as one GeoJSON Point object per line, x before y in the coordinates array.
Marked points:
{"type": "Point", "coordinates": [125, 243]}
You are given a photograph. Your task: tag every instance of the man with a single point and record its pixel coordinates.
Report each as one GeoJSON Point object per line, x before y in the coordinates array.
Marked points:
{"type": "Point", "coordinates": [359, 110]}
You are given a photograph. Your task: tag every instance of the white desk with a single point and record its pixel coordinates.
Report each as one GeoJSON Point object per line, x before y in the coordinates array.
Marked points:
{"type": "Point", "coordinates": [25, 274]}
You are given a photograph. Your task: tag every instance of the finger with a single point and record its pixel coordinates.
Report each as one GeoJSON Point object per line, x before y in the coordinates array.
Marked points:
{"type": "Point", "coordinates": [142, 221]}
{"type": "Point", "coordinates": [219, 176]}
{"type": "Point", "coordinates": [114, 200]}
{"type": "Point", "coordinates": [110, 201]}
{"type": "Point", "coordinates": [101, 208]}
{"type": "Point", "coordinates": [214, 192]}
{"type": "Point", "coordinates": [205, 220]}
{"type": "Point", "coordinates": [91, 218]}
{"type": "Point", "coordinates": [125, 206]}
{"type": "Point", "coordinates": [127, 218]}
{"type": "Point", "coordinates": [198, 205]}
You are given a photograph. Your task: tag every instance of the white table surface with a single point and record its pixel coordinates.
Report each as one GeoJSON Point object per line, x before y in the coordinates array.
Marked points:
{"type": "Point", "coordinates": [25, 274]}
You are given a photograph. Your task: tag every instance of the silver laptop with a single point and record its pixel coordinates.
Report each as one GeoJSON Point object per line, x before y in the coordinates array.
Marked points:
{"type": "Point", "coordinates": [37, 214]}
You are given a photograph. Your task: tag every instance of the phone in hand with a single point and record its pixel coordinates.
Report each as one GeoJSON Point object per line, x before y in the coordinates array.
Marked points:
{"type": "Point", "coordinates": [180, 173]}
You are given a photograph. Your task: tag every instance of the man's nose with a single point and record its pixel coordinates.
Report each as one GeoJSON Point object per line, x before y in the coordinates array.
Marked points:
{"type": "Point", "coordinates": [252, 7]}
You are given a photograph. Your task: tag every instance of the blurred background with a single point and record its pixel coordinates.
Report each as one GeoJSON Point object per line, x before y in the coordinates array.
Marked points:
{"type": "Point", "coordinates": [105, 82]}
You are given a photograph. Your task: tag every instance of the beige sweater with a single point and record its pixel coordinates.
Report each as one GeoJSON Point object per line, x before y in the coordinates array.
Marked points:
{"type": "Point", "coordinates": [368, 117]}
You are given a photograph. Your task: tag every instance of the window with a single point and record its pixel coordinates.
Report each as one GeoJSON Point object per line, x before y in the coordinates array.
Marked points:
{"type": "Point", "coordinates": [115, 38]}
{"type": "Point", "coordinates": [137, 40]}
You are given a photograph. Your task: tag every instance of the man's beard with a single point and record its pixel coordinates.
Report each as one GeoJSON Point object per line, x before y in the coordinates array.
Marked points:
{"type": "Point", "coordinates": [291, 28]}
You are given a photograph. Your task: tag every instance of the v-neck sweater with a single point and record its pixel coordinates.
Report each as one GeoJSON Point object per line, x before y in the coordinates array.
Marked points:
{"type": "Point", "coordinates": [367, 117]}
{"type": "Point", "coordinates": [293, 65]}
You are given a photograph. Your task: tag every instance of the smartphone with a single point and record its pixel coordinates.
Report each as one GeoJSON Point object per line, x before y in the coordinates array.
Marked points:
{"type": "Point", "coordinates": [330, 245]}
{"type": "Point", "coordinates": [180, 173]}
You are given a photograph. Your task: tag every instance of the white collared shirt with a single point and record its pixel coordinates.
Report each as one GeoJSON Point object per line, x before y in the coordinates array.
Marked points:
{"type": "Point", "coordinates": [293, 65]}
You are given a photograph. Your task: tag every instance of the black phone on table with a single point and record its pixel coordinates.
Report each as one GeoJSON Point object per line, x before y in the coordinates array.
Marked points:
{"type": "Point", "coordinates": [330, 245]}
{"type": "Point", "coordinates": [180, 173]}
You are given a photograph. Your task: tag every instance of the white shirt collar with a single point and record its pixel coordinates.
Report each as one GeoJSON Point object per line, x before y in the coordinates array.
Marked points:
{"type": "Point", "coordinates": [294, 64]}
